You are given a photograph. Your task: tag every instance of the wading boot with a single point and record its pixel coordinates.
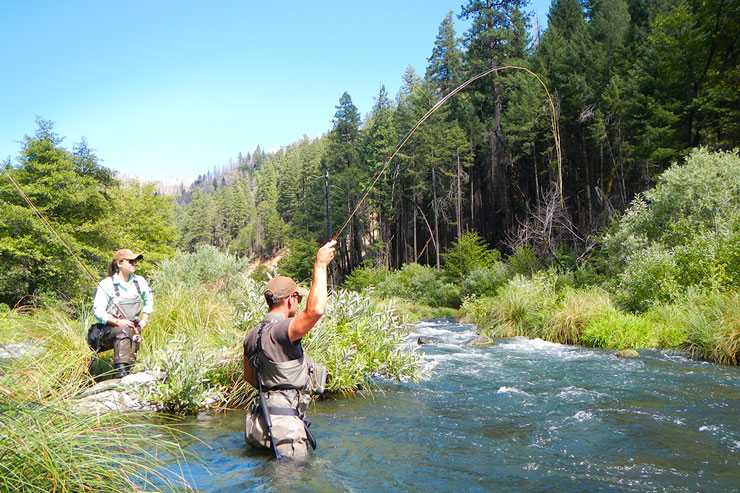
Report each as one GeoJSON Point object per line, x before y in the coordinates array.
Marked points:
{"type": "Point", "coordinates": [121, 370]}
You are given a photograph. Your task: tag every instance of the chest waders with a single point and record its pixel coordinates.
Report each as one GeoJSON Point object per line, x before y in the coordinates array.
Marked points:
{"type": "Point", "coordinates": [290, 375]}
{"type": "Point", "coordinates": [128, 308]}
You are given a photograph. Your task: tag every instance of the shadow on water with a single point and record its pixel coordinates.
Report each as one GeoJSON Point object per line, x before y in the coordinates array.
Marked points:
{"type": "Point", "coordinates": [522, 415]}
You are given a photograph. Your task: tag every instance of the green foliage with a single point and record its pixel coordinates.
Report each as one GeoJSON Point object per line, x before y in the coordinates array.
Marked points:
{"type": "Point", "coordinates": [485, 281]}
{"type": "Point", "coordinates": [572, 314]}
{"type": "Point", "coordinates": [618, 330]}
{"type": "Point", "coordinates": [356, 340]}
{"type": "Point", "coordinates": [206, 265]}
{"type": "Point", "coordinates": [74, 193]}
{"type": "Point", "coordinates": [682, 233]}
{"type": "Point", "coordinates": [524, 261]}
{"type": "Point", "coordinates": [420, 283]}
{"type": "Point", "coordinates": [467, 254]}
{"type": "Point", "coordinates": [298, 263]}
{"type": "Point", "coordinates": [186, 386]}
{"type": "Point", "coordinates": [365, 277]}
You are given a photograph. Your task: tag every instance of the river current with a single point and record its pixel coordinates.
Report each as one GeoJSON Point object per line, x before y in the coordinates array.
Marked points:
{"type": "Point", "coordinates": [521, 415]}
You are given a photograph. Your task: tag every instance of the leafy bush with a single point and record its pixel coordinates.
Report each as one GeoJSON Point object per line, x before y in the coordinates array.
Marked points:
{"type": "Point", "coordinates": [524, 261]}
{"type": "Point", "coordinates": [484, 281]}
{"type": "Point", "coordinates": [365, 277]}
{"type": "Point", "coordinates": [355, 341]}
{"type": "Point", "coordinates": [186, 385]}
{"type": "Point", "coordinates": [682, 233]}
{"type": "Point", "coordinates": [206, 265]}
{"type": "Point", "coordinates": [420, 284]}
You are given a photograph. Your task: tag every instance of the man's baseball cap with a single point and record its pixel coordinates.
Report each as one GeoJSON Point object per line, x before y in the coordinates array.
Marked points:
{"type": "Point", "coordinates": [281, 287]}
{"type": "Point", "coordinates": [127, 254]}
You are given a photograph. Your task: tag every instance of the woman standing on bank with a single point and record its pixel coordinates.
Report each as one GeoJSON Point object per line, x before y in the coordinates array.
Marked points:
{"type": "Point", "coordinates": [123, 303]}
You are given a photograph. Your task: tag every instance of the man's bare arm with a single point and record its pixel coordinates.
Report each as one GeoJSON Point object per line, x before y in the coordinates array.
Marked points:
{"type": "Point", "coordinates": [316, 303]}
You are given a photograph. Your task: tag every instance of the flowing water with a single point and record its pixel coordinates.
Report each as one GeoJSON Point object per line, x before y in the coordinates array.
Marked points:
{"type": "Point", "coordinates": [521, 415]}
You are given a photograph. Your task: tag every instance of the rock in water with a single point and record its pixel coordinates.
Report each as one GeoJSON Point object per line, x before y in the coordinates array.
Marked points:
{"type": "Point", "coordinates": [628, 354]}
{"type": "Point", "coordinates": [428, 340]}
{"type": "Point", "coordinates": [482, 341]}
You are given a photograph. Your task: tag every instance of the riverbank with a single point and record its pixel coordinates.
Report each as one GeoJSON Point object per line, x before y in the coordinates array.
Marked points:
{"type": "Point", "coordinates": [704, 325]}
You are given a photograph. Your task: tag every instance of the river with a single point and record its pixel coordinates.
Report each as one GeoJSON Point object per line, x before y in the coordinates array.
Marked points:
{"type": "Point", "coordinates": [521, 415]}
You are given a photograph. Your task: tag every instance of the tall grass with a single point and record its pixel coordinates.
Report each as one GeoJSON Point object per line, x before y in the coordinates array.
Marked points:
{"type": "Point", "coordinates": [576, 309]}
{"type": "Point", "coordinates": [49, 447]}
{"type": "Point", "coordinates": [59, 369]}
{"type": "Point", "coordinates": [713, 326]}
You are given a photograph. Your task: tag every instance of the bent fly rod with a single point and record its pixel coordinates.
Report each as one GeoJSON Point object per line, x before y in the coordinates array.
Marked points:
{"type": "Point", "coordinates": [402, 142]}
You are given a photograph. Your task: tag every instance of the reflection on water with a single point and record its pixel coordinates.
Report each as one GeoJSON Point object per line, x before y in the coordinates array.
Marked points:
{"type": "Point", "coordinates": [522, 415]}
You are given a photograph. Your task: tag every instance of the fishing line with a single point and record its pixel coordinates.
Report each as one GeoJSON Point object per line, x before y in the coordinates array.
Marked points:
{"type": "Point", "coordinates": [402, 142]}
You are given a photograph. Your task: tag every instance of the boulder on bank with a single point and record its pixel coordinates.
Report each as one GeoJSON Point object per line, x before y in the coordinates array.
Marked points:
{"type": "Point", "coordinates": [428, 340]}
{"type": "Point", "coordinates": [628, 354]}
{"type": "Point", "coordinates": [20, 349]}
{"type": "Point", "coordinates": [119, 394]}
{"type": "Point", "coordinates": [482, 340]}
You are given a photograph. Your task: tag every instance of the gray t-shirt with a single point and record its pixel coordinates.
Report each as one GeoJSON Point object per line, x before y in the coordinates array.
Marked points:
{"type": "Point", "coordinates": [275, 342]}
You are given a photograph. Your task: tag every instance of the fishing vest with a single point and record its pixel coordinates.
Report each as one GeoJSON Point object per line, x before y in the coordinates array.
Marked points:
{"type": "Point", "coordinates": [129, 304]}
{"type": "Point", "coordinates": [284, 375]}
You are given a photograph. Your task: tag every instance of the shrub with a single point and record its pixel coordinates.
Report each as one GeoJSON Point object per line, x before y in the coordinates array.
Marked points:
{"type": "Point", "coordinates": [682, 233]}
{"type": "Point", "coordinates": [186, 385]}
{"type": "Point", "coordinates": [467, 254]}
{"type": "Point", "coordinates": [524, 261]}
{"type": "Point", "coordinates": [484, 281]}
{"type": "Point", "coordinates": [365, 277]}
{"type": "Point", "coordinates": [206, 265]}
{"type": "Point", "coordinates": [420, 284]}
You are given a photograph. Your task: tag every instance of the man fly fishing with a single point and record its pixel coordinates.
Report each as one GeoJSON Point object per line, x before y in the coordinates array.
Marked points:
{"type": "Point", "coordinates": [276, 365]}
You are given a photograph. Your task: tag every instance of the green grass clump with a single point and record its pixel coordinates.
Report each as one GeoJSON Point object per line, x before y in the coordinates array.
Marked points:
{"type": "Point", "coordinates": [59, 369]}
{"type": "Point", "coordinates": [51, 447]}
{"type": "Point", "coordinates": [521, 307]}
{"type": "Point", "coordinates": [573, 313]}
{"type": "Point", "coordinates": [618, 330]}
{"type": "Point", "coordinates": [713, 327]}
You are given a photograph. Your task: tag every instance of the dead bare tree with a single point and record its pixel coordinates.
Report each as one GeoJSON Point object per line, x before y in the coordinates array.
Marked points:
{"type": "Point", "coordinates": [548, 227]}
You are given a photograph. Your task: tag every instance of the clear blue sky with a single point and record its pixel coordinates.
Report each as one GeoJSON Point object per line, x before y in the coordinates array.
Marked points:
{"type": "Point", "coordinates": [170, 89]}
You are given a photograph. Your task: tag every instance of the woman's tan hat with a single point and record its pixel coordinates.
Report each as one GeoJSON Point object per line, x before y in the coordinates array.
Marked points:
{"type": "Point", "coordinates": [127, 254]}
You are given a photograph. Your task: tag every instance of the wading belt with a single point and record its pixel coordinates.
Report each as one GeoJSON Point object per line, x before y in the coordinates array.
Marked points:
{"type": "Point", "coordinates": [278, 411]}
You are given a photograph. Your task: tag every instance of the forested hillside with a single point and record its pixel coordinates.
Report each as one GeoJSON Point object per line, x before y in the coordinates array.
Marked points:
{"type": "Point", "coordinates": [637, 84]}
